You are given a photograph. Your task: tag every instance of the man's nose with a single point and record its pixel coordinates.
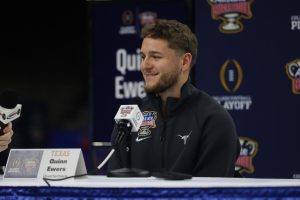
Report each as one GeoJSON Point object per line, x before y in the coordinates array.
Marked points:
{"type": "Point", "coordinates": [146, 63]}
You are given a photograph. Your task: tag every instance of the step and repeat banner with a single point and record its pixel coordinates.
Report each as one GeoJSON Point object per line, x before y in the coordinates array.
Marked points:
{"type": "Point", "coordinates": [115, 54]}
{"type": "Point", "coordinates": [249, 61]}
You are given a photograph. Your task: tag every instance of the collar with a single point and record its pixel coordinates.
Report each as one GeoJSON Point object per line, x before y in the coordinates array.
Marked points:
{"type": "Point", "coordinates": [173, 103]}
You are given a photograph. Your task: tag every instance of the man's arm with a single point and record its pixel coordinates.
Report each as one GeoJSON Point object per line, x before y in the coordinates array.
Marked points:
{"type": "Point", "coordinates": [219, 147]}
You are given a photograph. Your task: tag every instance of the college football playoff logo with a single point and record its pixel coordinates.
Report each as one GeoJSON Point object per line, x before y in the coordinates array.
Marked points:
{"type": "Point", "coordinates": [231, 75]}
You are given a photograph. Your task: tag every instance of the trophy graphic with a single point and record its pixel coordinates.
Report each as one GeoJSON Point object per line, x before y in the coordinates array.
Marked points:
{"type": "Point", "coordinates": [230, 12]}
{"type": "Point", "coordinates": [231, 23]}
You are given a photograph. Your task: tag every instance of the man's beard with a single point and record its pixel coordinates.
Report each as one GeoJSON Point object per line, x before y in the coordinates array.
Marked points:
{"type": "Point", "coordinates": [166, 81]}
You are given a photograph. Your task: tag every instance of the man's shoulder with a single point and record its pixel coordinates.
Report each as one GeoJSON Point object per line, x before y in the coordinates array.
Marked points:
{"type": "Point", "coordinates": [206, 103]}
{"type": "Point", "coordinates": [202, 98]}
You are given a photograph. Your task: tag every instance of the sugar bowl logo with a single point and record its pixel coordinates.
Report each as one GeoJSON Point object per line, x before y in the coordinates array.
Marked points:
{"type": "Point", "coordinates": [128, 23]}
{"type": "Point", "coordinates": [293, 72]}
{"type": "Point", "coordinates": [230, 12]}
{"type": "Point", "coordinates": [125, 111]}
{"type": "Point", "coordinates": [231, 77]}
{"type": "Point", "coordinates": [147, 17]}
{"type": "Point", "coordinates": [249, 149]}
{"type": "Point", "coordinates": [131, 26]}
{"type": "Point", "coordinates": [149, 122]}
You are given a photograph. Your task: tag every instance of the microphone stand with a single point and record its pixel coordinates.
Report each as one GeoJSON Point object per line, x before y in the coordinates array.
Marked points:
{"type": "Point", "coordinates": [124, 129]}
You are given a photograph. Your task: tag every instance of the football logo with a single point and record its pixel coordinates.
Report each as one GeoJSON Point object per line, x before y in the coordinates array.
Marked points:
{"type": "Point", "coordinates": [231, 75]}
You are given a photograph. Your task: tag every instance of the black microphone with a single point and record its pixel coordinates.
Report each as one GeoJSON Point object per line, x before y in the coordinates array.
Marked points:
{"type": "Point", "coordinates": [128, 119]}
{"type": "Point", "coordinates": [9, 108]}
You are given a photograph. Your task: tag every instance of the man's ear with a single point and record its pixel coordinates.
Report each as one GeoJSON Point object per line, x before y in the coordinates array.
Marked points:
{"type": "Point", "coordinates": [186, 61]}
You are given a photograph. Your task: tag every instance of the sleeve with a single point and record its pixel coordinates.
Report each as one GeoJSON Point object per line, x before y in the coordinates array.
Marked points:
{"type": "Point", "coordinates": [219, 147]}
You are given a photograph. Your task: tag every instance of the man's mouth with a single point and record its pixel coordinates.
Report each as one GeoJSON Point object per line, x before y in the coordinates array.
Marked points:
{"type": "Point", "coordinates": [149, 76]}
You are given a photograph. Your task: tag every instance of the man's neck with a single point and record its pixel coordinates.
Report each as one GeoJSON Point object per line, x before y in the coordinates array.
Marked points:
{"type": "Point", "coordinates": [174, 92]}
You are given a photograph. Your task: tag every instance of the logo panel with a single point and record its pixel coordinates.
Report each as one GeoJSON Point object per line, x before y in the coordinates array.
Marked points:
{"type": "Point", "coordinates": [133, 21]}
{"type": "Point", "coordinates": [234, 75]}
{"type": "Point", "coordinates": [148, 123]}
{"type": "Point", "coordinates": [231, 77]}
{"type": "Point", "coordinates": [230, 12]}
{"type": "Point", "coordinates": [295, 22]}
{"type": "Point", "coordinates": [244, 163]}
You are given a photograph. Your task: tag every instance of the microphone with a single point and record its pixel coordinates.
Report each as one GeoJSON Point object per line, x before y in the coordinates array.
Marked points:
{"type": "Point", "coordinates": [128, 119]}
{"type": "Point", "coordinates": [9, 108]}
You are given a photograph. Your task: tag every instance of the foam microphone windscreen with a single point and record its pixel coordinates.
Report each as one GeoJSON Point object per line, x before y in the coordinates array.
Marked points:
{"type": "Point", "coordinates": [8, 99]}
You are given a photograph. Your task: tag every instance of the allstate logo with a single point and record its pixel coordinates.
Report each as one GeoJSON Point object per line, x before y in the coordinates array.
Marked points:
{"type": "Point", "coordinates": [231, 76]}
{"type": "Point", "coordinates": [230, 12]}
{"type": "Point", "coordinates": [293, 72]}
{"type": "Point", "coordinates": [249, 149]}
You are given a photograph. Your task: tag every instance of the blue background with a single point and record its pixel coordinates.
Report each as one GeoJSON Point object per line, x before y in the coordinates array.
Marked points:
{"type": "Point", "coordinates": [262, 49]}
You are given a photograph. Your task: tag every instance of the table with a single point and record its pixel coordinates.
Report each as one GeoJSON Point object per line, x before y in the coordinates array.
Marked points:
{"type": "Point", "coordinates": [101, 187]}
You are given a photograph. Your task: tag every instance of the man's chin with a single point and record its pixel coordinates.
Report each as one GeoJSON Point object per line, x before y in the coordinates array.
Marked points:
{"type": "Point", "coordinates": [155, 90]}
{"type": "Point", "coordinates": [151, 89]}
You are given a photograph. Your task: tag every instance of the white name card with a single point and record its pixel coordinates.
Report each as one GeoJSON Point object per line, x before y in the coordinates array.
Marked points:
{"type": "Point", "coordinates": [44, 163]}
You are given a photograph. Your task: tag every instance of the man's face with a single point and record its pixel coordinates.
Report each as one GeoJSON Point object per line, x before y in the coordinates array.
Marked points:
{"type": "Point", "coordinates": [160, 65]}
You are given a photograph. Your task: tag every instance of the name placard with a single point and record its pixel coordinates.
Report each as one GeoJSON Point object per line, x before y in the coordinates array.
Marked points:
{"type": "Point", "coordinates": [44, 163]}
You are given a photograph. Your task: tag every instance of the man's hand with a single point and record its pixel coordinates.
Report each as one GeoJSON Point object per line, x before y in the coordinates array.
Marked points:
{"type": "Point", "coordinates": [5, 139]}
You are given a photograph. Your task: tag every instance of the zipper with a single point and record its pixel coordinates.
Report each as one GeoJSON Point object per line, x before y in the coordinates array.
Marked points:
{"type": "Point", "coordinates": [162, 141]}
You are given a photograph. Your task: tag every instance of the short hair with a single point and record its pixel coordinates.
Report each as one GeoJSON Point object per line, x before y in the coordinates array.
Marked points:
{"type": "Point", "coordinates": [178, 35]}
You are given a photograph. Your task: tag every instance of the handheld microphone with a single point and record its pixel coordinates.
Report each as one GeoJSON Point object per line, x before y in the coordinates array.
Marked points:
{"type": "Point", "coordinates": [9, 108]}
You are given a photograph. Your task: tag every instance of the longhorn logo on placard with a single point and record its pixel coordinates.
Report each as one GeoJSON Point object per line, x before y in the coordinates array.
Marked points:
{"type": "Point", "coordinates": [293, 72]}
{"type": "Point", "coordinates": [249, 149]}
{"type": "Point", "coordinates": [231, 75]}
{"type": "Point", "coordinates": [230, 12]}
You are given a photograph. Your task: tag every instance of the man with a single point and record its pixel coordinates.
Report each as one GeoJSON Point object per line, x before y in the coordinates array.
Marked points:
{"type": "Point", "coordinates": [184, 129]}
{"type": "Point", "coordinates": [5, 139]}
